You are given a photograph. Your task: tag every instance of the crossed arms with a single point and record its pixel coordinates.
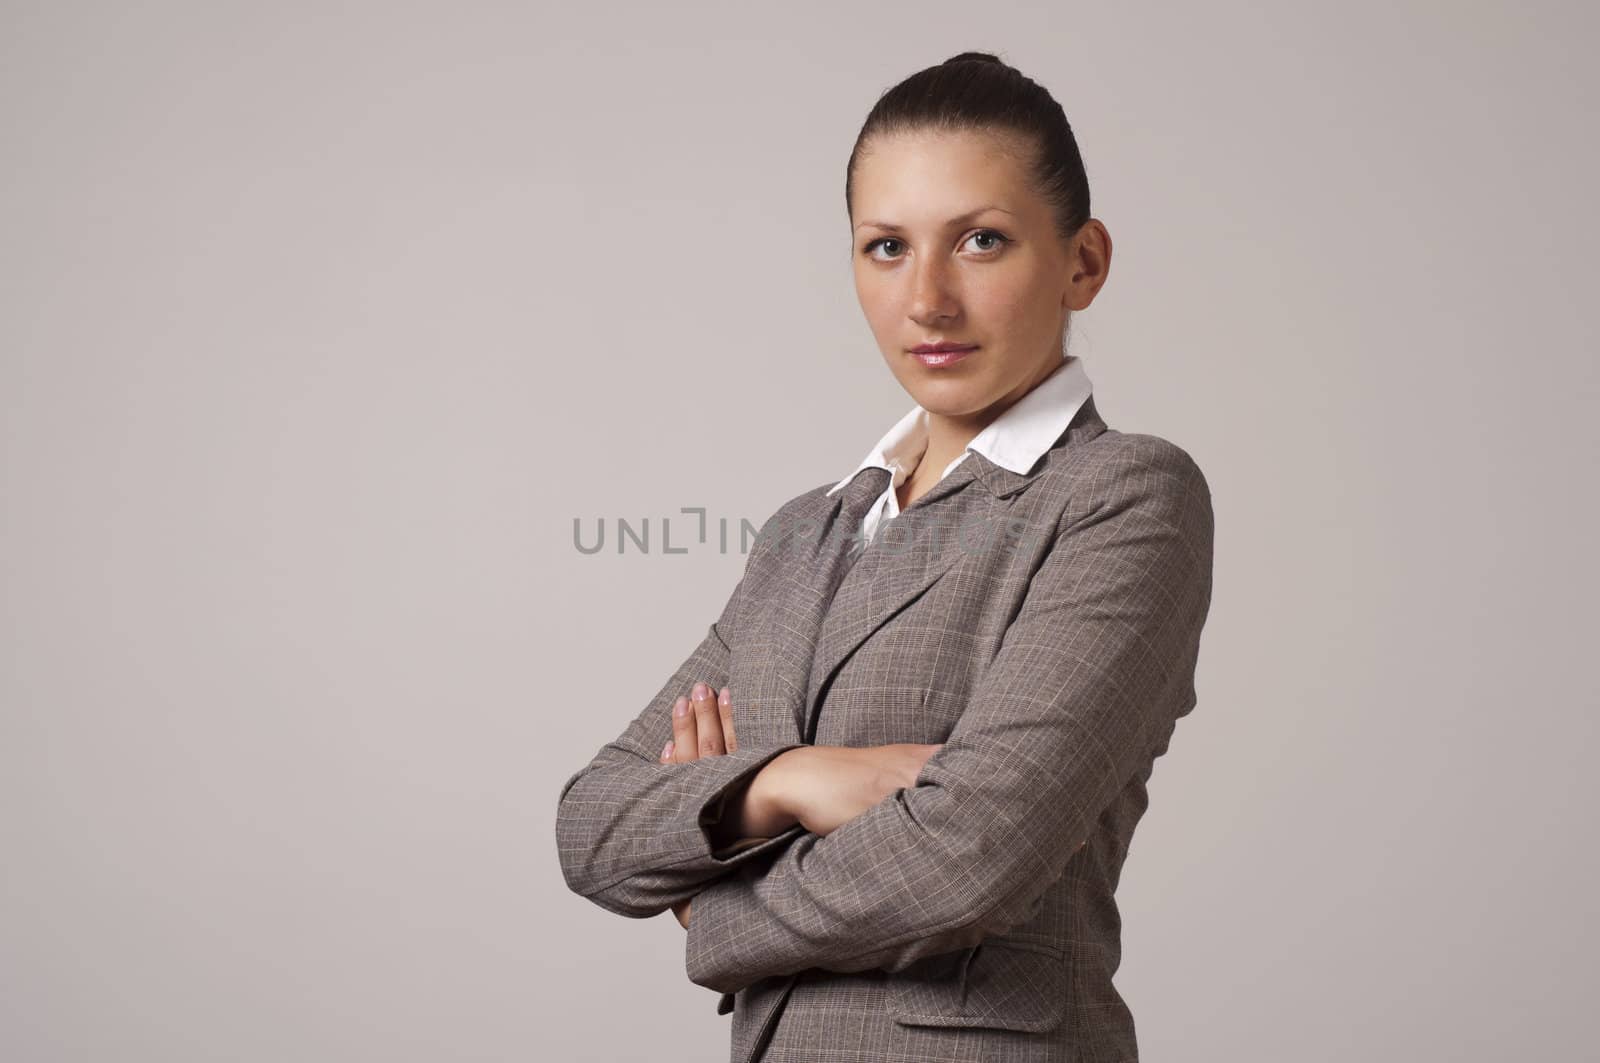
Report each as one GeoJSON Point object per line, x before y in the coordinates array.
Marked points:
{"type": "Point", "coordinates": [1088, 683]}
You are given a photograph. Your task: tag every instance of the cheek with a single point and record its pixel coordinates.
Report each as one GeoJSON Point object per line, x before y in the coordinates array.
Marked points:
{"type": "Point", "coordinates": [1021, 306]}
{"type": "Point", "coordinates": [1003, 294]}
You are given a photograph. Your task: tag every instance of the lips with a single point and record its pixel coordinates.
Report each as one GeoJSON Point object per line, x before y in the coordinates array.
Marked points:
{"type": "Point", "coordinates": [936, 355]}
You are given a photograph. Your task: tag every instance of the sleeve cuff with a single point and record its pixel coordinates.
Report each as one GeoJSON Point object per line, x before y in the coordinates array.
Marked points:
{"type": "Point", "coordinates": [711, 812]}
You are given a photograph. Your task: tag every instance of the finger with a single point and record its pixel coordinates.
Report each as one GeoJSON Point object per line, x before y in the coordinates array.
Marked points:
{"type": "Point", "coordinates": [708, 725]}
{"type": "Point", "coordinates": [725, 707]}
{"type": "Point", "coordinates": [666, 752]}
{"type": "Point", "coordinates": [683, 732]}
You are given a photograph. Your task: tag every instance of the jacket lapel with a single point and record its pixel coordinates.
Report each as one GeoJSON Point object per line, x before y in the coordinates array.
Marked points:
{"type": "Point", "coordinates": [907, 557]}
{"type": "Point", "coordinates": [815, 551]}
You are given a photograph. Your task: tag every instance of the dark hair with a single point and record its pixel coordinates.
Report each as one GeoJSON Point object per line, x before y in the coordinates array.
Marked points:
{"type": "Point", "coordinates": [978, 91]}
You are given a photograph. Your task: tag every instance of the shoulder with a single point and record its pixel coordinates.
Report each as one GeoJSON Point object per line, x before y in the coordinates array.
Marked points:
{"type": "Point", "coordinates": [1117, 470]}
{"type": "Point", "coordinates": [1115, 456]}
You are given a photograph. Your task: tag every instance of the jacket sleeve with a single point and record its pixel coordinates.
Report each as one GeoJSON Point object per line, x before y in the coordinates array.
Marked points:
{"type": "Point", "coordinates": [633, 833]}
{"type": "Point", "coordinates": [1087, 685]}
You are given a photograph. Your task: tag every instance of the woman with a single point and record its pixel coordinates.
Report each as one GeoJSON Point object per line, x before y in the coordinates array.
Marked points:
{"type": "Point", "coordinates": [896, 830]}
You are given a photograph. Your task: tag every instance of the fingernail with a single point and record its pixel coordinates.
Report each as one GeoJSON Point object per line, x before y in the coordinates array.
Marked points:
{"type": "Point", "coordinates": [726, 698]}
{"type": "Point", "coordinates": [701, 692]}
{"type": "Point", "coordinates": [681, 706]}
{"type": "Point", "coordinates": [666, 750]}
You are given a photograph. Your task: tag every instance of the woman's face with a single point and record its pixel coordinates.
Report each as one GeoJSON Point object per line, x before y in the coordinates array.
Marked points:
{"type": "Point", "coordinates": [953, 244]}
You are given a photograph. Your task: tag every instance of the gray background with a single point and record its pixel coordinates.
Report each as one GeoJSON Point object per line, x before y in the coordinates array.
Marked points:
{"type": "Point", "coordinates": [320, 325]}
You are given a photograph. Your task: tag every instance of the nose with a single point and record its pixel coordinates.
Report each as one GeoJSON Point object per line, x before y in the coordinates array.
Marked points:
{"type": "Point", "coordinates": [933, 296]}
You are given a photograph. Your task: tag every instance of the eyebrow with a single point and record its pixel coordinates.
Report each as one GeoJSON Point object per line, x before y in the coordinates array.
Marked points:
{"type": "Point", "coordinates": [962, 220]}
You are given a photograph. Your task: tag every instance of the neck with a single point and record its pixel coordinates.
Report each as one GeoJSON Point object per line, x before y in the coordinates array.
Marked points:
{"type": "Point", "coordinates": [949, 434]}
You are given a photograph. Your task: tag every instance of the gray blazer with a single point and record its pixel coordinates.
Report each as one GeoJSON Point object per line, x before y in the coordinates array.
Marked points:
{"type": "Point", "coordinates": [1045, 628]}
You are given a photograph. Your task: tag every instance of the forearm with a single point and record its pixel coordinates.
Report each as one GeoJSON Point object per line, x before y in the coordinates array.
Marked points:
{"type": "Point", "coordinates": [636, 836]}
{"type": "Point", "coordinates": [755, 811]}
{"type": "Point", "coordinates": [875, 893]}
{"type": "Point", "coordinates": [776, 797]}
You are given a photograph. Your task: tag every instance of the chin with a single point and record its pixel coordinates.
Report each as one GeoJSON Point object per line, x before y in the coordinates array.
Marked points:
{"type": "Point", "coordinates": [950, 401]}
{"type": "Point", "coordinates": [941, 391]}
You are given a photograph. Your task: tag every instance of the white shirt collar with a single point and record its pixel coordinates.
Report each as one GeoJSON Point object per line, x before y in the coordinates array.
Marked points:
{"type": "Point", "coordinates": [1015, 440]}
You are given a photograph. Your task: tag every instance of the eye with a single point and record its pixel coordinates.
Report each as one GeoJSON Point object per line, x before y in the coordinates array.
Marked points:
{"type": "Point", "coordinates": [892, 245]}
{"type": "Point", "coordinates": [882, 240]}
{"type": "Point", "coordinates": [997, 238]}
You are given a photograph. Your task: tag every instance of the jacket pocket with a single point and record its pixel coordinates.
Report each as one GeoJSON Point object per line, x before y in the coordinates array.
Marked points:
{"type": "Point", "coordinates": [1011, 985]}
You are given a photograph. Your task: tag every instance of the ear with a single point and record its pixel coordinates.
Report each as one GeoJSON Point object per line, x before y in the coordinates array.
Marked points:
{"type": "Point", "coordinates": [1089, 264]}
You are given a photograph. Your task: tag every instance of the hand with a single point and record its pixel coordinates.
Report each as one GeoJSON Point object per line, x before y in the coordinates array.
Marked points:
{"type": "Point", "coordinates": [825, 787]}
{"type": "Point", "coordinates": [701, 726]}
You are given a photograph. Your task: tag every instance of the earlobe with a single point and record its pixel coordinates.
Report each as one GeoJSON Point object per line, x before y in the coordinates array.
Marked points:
{"type": "Point", "coordinates": [1072, 298]}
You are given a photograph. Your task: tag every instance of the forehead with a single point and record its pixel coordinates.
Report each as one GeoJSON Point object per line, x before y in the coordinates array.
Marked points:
{"type": "Point", "coordinates": [931, 175]}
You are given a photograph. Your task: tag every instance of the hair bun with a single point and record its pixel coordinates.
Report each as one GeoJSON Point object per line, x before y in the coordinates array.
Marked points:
{"type": "Point", "coordinates": [974, 57]}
